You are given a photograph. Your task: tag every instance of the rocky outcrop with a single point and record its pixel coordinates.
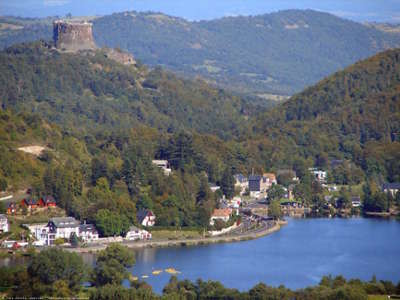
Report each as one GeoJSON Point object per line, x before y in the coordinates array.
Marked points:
{"type": "Point", "coordinates": [120, 56]}
{"type": "Point", "coordinates": [73, 36]}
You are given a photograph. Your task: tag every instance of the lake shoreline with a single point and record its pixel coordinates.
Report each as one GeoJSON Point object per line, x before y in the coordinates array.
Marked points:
{"type": "Point", "coordinates": [188, 242]}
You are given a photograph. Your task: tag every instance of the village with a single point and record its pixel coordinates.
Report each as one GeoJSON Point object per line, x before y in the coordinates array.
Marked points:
{"type": "Point", "coordinates": [244, 214]}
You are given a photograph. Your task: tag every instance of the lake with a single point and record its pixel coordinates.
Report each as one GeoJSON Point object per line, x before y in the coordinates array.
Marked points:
{"type": "Point", "coordinates": [296, 256]}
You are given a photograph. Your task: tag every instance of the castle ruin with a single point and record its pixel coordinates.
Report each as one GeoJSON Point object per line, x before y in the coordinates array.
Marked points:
{"type": "Point", "coordinates": [73, 36]}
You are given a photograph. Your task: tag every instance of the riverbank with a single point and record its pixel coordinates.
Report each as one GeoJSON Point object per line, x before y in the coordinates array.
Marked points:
{"type": "Point", "coordinates": [253, 234]}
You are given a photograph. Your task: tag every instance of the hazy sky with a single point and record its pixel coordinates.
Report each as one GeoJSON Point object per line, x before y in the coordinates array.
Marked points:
{"type": "Point", "coordinates": [359, 10]}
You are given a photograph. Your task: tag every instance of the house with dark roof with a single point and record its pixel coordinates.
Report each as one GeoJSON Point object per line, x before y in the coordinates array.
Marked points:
{"type": "Point", "coordinates": [392, 188]}
{"type": "Point", "coordinates": [48, 201]}
{"type": "Point", "coordinates": [61, 228]}
{"type": "Point", "coordinates": [30, 203]}
{"type": "Point", "coordinates": [146, 217]}
{"type": "Point", "coordinates": [88, 232]}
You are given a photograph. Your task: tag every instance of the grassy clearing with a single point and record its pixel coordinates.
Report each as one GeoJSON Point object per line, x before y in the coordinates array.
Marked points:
{"type": "Point", "coordinates": [175, 234]}
{"type": "Point", "coordinates": [377, 297]}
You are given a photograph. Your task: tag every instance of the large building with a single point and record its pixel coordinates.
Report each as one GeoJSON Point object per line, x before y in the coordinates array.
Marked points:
{"type": "Point", "coordinates": [61, 228]}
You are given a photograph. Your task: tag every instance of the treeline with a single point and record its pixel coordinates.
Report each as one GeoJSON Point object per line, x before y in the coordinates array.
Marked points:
{"type": "Point", "coordinates": [56, 273]}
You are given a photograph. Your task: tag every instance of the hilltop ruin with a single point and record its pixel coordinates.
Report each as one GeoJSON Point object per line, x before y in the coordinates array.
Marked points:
{"type": "Point", "coordinates": [73, 36]}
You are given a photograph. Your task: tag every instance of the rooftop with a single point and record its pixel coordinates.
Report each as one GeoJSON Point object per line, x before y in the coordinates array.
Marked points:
{"type": "Point", "coordinates": [224, 212]}
{"type": "Point", "coordinates": [64, 222]}
{"type": "Point", "coordinates": [391, 186]}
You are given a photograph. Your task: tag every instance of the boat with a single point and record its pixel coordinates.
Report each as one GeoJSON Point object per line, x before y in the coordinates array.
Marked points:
{"type": "Point", "coordinates": [172, 271]}
{"type": "Point", "coordinates": [157, 272]}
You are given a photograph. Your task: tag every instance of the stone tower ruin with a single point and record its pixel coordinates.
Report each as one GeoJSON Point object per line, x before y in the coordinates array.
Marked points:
{"type": "Point", "coordinates": [73, 36]}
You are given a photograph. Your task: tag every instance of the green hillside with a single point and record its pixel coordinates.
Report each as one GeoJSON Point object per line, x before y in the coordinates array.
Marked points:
{"type": "Point", "coordinates": [89, 91]}
{"type": "Point", "coordinates": [278, 53]}
{"type": "Point", "coordinates": [354, 115]}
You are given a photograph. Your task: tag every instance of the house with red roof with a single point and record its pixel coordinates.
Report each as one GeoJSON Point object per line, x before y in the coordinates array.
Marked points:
{"type": "Point", "coordinates": [220, 214]}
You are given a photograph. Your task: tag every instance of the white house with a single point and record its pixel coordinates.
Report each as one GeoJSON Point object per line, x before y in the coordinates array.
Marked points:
{"type": "Point", "coordinates": [39, 232]}
{"type": "Point", "coordinates": [4, 227]}
{"type": "Point", "coordinates": [356, 201]}
{"type": "Point", "coordinates": [135, 233]}
{"type": "Point", "coordinates": [146, 217]}
{"type": "Point", "coordinates": [164, 165]}
{"type": "Point", "coordinates": [214, 187]}
{"type": "Point", "coordinates": [318, 174]}
{"type": "Point", "coordinates": [392, 188]}
{"type": "Point", "coordinates": [220, 214]}
{"type": "Point", "coordinates": [88, 232]}
{"type": "Point", "coordinates": [61, 228]}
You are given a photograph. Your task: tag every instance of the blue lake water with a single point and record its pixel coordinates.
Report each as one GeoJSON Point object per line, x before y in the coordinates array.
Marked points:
{"type": "Point", "coordinates": [296, 256]}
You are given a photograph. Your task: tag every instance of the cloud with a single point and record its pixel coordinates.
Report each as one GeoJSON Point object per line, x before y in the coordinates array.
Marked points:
{"type": "Point", "coordinates": [55, 2]}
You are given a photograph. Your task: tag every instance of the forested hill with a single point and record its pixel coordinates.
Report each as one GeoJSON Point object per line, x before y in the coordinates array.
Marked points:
{"type": "Point", "coordinates": [90, 91]}
{"type": "Point", "coordinates": [282, 52]}
{"type": "Point", "coordinates": [354, 114]}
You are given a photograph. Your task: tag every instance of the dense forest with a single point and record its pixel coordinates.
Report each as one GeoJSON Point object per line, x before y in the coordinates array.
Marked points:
{"type": "Point", "coordinates": [55, 273]}
{"type": "Point", "coordinates": [93, 92]}
{"type": "Point", "coordinates": [353, 115]}
{"type": "Point", "coordinates": [114, 120]}
{"type": "Point", "coordinates": [278, 53]}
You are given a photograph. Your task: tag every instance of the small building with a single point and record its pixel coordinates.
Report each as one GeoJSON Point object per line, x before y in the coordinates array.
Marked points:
{"type": "Point", "coordinates": [356, 201]}
{"type": "Point", "coordinates": [8, 244]}
{"type": "Point", "coordinates": [319, 175]}
{"type": "Point", "coordinates": [4, 227]}
{"type": "Point", "coordinates": [392, 188]}
{"type": "Point", "coordinates": [164, 165]}
{"type": "Point", "coordinates": [48, 201]}
{"type": "Point", "coordinates": [220, 214]}
{"type": "Point", "coordinates": [146, 217]}
{"type": "Point", "coordinates": [214, 187]}
{"type": "Point", "coordinates": [11, 209]}
{"type": "Point", "coordinates": [267, 180]}
{"type": "Point", "coordinates": [30, 203]}
{"type": "Point", "coordinates": [61, 228]}
{"type": "Point", "coordinates": [88, 233]}
{"type": "Point", "coordinates": [136, 233]}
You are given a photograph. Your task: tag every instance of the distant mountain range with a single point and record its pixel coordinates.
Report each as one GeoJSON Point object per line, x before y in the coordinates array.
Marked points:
{"type": "Point", "coordinates": [278, 53]}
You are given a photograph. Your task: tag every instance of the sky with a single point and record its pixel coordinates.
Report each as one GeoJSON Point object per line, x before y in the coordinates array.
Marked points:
{"type": "Point", "coordinates": [358, 10]}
